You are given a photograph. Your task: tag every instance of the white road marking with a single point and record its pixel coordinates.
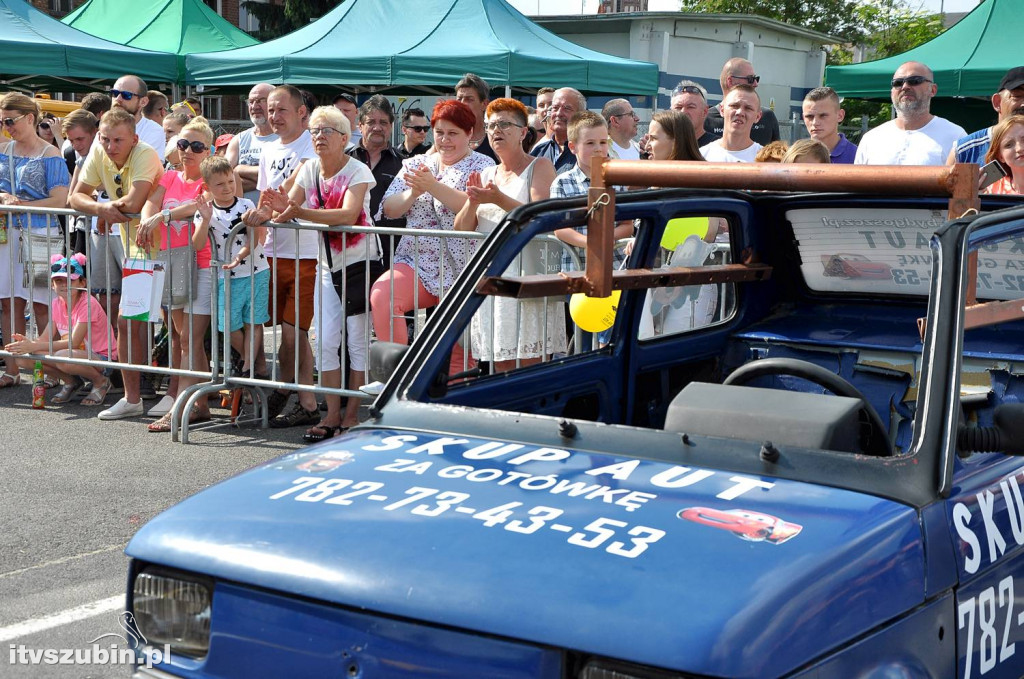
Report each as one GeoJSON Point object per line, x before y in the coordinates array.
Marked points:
{"type": "Point", "coordinates": [57, 562]}
{"type": "Point", "coordinates": [23, 629]}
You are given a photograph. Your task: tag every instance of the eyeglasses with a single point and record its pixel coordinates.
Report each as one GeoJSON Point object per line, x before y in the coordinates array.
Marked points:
{"type": "Point", "coordinates": [9, 122]}
{"type": "Point", "coordinates": [423, 129]}
{"type": "Point", "coordinates": [913, 81]}
{"type": "Point", "coordinates": [120, 189]}
{"type": "Point", "coordinates": [502, 125]}
{"type": "Point", "coordinates": [127, 96]}
{"type": "Point", "coordinates": [749, 79]}
{"type": "Point", "coordinates": [196, 146]}
{"type": "Point", "coordinates": [325, 131]}
{"type": "Point", "coordinates": [631, 114]}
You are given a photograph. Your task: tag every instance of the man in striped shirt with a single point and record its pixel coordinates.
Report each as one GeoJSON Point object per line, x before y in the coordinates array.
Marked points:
{"type": "Point", "coordinates": [1009, 100]}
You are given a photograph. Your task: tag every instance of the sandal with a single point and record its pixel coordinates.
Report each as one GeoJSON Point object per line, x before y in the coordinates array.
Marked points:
{"type": "Point", "coordinates": [50, 383]}
{"type": "Point", "coordinates": [162, 425]}
{"type": "Point", "coordinates": [195, 418]}
{"type": "Point", "coordinates": [297, 416]}
{"type": "Point", "coordinates": [98, 393]}
{"type": "Point", "coordinates": [7, 380]}
{"type": "Point", "coordinates": [322, 432]}
{"type": "Point", "coordinates": [66, 392]}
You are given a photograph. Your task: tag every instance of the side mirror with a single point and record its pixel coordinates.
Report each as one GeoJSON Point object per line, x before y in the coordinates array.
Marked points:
{"type": "Point", "coordinates": [1006, 435]}
{"type": "Point", "coordinates": [384, 358]}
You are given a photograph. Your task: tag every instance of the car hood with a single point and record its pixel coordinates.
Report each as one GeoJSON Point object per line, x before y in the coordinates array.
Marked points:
{"type": "Point", "coordinates": [699, 570]}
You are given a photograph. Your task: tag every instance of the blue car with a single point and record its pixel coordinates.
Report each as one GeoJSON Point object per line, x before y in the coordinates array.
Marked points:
{"type": "Point", "coordinates": [787, 474]}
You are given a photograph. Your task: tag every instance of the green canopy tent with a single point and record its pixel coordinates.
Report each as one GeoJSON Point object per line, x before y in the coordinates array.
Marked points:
{"type": "Point", "coordinates": [394, 45]}
{"type": "Point", "coordinates": [37, 52]}
{"type": "Point", "coordinates": [180, 27]}
{"type": "Point", "coordinates": [968, 60]}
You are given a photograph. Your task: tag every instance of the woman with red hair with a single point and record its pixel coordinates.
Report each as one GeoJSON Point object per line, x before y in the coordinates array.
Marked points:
{"type": "Point", "coordinates": [506, 330]}
{"type": "Point", "coordinates": [1008, 148]}
{"type": "Point", "coordinates": [429, 191]}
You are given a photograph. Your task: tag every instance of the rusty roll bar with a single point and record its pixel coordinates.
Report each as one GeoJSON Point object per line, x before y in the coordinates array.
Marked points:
{"type": "Point", "coordinates": [959, 182]}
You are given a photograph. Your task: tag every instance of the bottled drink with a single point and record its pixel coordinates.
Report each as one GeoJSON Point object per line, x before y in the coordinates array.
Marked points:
{"type": "Point", "coordinates": [3, 228]}
{"type": "Point", "coordinates": [38, 387]}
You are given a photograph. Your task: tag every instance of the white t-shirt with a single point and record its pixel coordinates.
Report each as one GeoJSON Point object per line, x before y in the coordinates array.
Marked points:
{"type": "Point", "coordinates": [152, 134]}
{"type": "Point", "coordinates": [889, 145]}
{"type": "Point", "coordinates": [277, 162]}
{"type": "Point", "coordinates": [250, 145]}
{"type": "Point", "coordinates": [716, 153]}
{"type": "Point", "coordinates": [358, 246]}
{"type": "Point", "coordinates": [631, 152]}
{"type": "Point", "coordinates": [221, 223]}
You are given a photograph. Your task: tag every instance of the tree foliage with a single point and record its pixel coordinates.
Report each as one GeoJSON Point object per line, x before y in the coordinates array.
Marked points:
{"type": "Point", "coordinates": [277, 20]}
{"type": "Point", "coordinates": [834, 17]}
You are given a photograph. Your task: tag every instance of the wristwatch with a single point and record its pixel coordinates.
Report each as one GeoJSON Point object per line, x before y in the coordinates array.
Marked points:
{"type": "Point", "coordinates": [167, 215]}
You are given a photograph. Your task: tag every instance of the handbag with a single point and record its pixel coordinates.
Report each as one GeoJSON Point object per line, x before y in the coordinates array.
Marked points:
{"type": "Point", "coordinates": [351, 282]}
{"type": "Point", "coordinates": [181, 275]}
{"type": "Point", "coordinates": [35, 247]}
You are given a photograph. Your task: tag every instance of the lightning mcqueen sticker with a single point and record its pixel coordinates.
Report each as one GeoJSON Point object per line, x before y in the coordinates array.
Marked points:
{"type": "Point", "coordinates": [744, 524]}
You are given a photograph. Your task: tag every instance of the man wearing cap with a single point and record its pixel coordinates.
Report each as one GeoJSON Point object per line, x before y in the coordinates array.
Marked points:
{"type": "Point", "coordinates": [1007, 101]}
{"type": "Point", "coordinates": [244, 150]}
{"type": "Point", "coordinates": [221, 144]}
{"type": "Point", "coordinates": [346, 103]}
{"type": "Point", "coordinates": [915, 136]}
{"type": "Point", "coordinates": [735, 72]}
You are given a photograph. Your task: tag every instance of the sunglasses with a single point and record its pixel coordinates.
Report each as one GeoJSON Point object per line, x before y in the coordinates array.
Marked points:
{"type": "Point", "coordinates": [196, 146]}
{"type": "Point", "coordinates": [9, 122]}
{"type": "Point", "coordinates": [127, 96]}
{"type": "Point", "coordinates": [913, 81]}
{"type": "Point", "coordinates": [749, 79]}
{"type": "Point", "coordinates": [44, 126]}
{"type": "Point", "coordinates": [62, 265]}
{"type": "Point", "coordinates": [689, 89]}
{"type": "Point", "coordinates": [120, 190]}
{"type": "Point", "coordinates": [186, 105]}
{"type": "Point", "coordinates": [421, 128]}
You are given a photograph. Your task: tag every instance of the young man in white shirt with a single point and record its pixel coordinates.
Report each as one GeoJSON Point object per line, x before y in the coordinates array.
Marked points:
{"type": "Point", "coordinates": [741, 108]}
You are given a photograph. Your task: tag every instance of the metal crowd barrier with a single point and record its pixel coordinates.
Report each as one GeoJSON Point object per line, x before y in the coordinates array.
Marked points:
{"type": "Point", "coordinates": [215, 377]}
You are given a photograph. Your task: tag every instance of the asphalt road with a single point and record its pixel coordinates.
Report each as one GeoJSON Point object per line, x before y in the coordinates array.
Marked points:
{"type": "Point", "coordinates": [73, 491]}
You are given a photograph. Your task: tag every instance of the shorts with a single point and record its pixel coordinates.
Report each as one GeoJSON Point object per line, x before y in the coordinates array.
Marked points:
{"type": "Point", "coordinates": [249, 298]}
{"type": "Point", "coordinates": [327, 321]}
{"type": "Point", "coordinates": [12, 273]}
{"type": "Point", "coordinates": [106, 255]}
{"type": "Point", "coordinates": [283, 297]}
{"type": "Point", "coordinates": [201, 302]}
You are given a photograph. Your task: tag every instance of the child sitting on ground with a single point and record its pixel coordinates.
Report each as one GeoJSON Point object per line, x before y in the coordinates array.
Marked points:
{"type": "Point", "coordinates": [84, 333]}
{"type": "Point", "coordinates": [244, 261]}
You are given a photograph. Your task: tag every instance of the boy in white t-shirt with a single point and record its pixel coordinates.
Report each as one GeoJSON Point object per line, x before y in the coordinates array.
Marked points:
{"type": "Point", "coordinates": [244, 262]}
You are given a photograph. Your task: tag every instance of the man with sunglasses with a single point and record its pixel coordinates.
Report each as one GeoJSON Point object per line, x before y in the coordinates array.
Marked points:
{"type": "Point", "coordinates": [915, 136]}
{"type": "Point", "coordinates": [244, 149]}
{"type": "Point", "coordinates": [414, 127]}
{"type": "Point", "coordinates": [622, 125]}
{"type": "Point", "coordinates": [741, 72]}
{"type": "Point", "coordinates": [130, 94]}
{"type": "Point", "coordinates": [127, 170]}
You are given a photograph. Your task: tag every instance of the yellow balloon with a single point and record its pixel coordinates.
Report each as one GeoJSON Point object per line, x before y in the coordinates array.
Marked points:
{"type": "Point", "coordinates": [594, 314]}
{"type": "Point", "coordinates": [679, 229]}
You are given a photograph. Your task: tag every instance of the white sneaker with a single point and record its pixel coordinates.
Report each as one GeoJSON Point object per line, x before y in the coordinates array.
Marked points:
{"type": "Point", "coordinates": [162, 407]}
{"type": "Point", "coordinates": [373, 388]}
{"type": "Point", "coordinates": [121, 410]}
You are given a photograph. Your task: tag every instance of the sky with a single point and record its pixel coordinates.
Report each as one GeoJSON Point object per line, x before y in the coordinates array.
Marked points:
{"type": "Point", "coordinates": [533, 7]}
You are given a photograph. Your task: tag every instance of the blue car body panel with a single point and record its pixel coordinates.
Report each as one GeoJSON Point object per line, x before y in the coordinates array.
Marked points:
{"type": "Point", "coordinates": [856, 560]}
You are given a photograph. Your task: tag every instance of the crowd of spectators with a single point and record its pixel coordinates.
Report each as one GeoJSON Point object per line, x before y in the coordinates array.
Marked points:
{"type": "Point", "coordinates": [204, 202]}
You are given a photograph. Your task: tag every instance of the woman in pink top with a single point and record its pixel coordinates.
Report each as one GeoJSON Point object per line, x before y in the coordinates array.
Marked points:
{"type": "Point", "coordinates": [84, 333]}
{"type": "Point", "coordinates": [167, 217]}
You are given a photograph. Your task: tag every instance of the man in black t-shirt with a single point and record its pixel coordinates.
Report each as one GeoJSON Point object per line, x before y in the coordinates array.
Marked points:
{"type": "Point", "coordinates": [741, 72]}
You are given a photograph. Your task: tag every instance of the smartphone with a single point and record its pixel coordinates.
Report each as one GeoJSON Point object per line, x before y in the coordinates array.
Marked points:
{"type": "Point", "coordinates": [991, 173]}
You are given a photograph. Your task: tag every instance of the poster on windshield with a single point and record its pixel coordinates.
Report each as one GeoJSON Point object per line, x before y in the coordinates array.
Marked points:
{"type": "Point", "coordinates": [887, 251]}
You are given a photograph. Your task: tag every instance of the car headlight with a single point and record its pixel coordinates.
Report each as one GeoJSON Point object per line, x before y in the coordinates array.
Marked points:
{"type": "Point", "coordinates": [610, 669]}
{"type": "Point", "coordinates": [173, 608]}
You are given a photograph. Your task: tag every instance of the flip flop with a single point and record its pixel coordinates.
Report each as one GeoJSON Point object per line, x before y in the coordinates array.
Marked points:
{"type": "Point", "coordinates": [98, 393]}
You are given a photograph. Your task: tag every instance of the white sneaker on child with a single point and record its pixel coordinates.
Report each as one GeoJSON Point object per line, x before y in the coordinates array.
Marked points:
{"type": "Point", "coordinates": [121, 410]}
{"type": "Point", "coordinates": [373, 388]}
{"type": "Point", "coordinates": [162, 407]}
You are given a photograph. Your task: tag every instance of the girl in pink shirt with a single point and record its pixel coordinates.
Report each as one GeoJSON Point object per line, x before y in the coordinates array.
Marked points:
{"type": "Point", "coordinates": [84, 333]}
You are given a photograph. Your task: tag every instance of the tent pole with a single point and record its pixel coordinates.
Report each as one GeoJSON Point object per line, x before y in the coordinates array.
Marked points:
{"type": "Point", "coordinates": [508, 91]}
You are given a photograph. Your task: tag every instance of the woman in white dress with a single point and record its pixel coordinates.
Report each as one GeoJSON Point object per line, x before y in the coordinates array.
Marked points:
{"type": "Point", "coordinates": [509, 331]}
